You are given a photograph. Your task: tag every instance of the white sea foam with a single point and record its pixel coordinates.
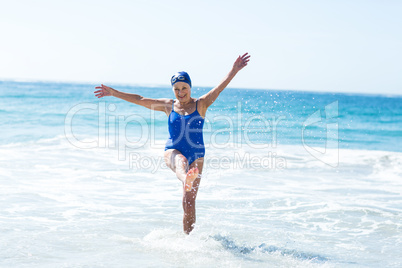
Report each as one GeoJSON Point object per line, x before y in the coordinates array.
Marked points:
{"type": "Point", "coordinates": [66, 206]}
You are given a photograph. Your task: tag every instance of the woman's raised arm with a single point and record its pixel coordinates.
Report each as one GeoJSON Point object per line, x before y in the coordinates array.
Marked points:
{"type": "Point", "coordinates": [209, 98]}
{"type": "Point", "coordinates": [153, 104]}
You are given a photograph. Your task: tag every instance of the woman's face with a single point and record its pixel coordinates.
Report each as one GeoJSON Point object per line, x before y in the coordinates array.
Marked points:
{"type": "Point", "coordinates": [182, 91]}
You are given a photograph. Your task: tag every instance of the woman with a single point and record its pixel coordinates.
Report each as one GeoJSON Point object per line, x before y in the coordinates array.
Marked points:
{"type": "Point", "coordinates": [184, 151]}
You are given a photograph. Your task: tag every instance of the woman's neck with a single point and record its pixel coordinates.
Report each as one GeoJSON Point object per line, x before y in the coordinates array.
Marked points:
{"type": "Point", "coordinates": [185, 103]}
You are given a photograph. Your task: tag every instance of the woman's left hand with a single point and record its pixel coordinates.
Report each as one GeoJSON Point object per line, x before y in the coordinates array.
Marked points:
{"type": "Point", "coordinates": [241, 62]}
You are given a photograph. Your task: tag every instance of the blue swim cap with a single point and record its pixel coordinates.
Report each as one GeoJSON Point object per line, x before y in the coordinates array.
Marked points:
{"type": "Point", "coordinates": [180, 77]}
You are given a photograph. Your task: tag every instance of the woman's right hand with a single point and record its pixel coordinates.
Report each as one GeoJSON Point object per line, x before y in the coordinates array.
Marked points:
{"type": "Point", "coordinates": [104, 91]}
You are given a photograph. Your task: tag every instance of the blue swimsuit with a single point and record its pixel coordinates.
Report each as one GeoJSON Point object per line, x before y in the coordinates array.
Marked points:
{"type": "Point", "coordinates": [185, 134]}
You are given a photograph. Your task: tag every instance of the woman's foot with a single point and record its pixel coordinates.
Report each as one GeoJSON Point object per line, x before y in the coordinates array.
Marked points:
{"type": "Point", "coordinates": [192, 174]}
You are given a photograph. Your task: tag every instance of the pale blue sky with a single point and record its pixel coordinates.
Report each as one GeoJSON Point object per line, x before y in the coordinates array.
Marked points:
{"type": "Point", "coordinates": [345, 46]}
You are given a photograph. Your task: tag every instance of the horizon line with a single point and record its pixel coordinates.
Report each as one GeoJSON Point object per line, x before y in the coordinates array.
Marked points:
{"type": "Point", "coordinates": [22, 80]}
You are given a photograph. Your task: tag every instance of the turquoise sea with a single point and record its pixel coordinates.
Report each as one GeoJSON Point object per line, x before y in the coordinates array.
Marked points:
{"type": "Point", "coordinates": [291, 179]}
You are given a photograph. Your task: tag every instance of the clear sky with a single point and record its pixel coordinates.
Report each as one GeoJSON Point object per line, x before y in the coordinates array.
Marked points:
{"type": "Point", "coordinates": [345, 46]}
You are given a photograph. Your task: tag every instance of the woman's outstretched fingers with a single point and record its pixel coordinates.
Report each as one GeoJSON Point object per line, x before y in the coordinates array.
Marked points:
{"type": "Point", "coordinates": [242, 61]}
{"type": "Point", "coordinates": [245, 58]}
{"type": "Point", "coordinates": [104, 91]}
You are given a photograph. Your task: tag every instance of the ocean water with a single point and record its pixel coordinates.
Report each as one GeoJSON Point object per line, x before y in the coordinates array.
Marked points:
{"type": "Point", "coordinates": [291, 179]}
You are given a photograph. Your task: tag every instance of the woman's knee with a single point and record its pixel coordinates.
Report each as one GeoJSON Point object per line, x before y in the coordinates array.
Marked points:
{"type": "Point", "coordinates": [181, 159]}
{"type": "Point", "coordinates": [173, 158]}
{"type": "Point", "coordinates": [168, 158]}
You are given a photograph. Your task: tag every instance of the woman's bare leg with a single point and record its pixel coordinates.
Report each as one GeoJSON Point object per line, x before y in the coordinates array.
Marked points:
{"type": "Point", "coordinates": [190, 177]}
{"type": "Point", "coordinates": [189, 198]}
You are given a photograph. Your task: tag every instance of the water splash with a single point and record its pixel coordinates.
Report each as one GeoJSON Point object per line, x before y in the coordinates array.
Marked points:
{"type": "Point", "coordinates": [231, 246]}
